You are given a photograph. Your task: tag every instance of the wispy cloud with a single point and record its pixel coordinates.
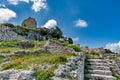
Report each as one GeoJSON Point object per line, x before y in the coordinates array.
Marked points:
{"type": "Point", "coordinates": [115, 47]}
{"type": "Point", "coordinates": [37, 4]}
{"type": "Point", "coordinates": [6, 14]}
{"type": "Point", "coordinates": [75, 39]}
{"type": "Point", "coordinates": [15, 2]}
{"type": "Point", "coordinates": [80, 23]}
{"type": "Point", "coordinates": [50, 24]}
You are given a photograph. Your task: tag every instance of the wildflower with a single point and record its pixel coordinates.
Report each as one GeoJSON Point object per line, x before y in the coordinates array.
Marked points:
{"type": "Point", "coordinates": [19, 62]}
{"type": "Point", "coordinates": [26, 53]}
{"type": "Point", "coordinates": [23, 60]}
{"type": "Point", "coordinates": [17, 57]}
{"type": "Point", "coordinates": [46, 70]}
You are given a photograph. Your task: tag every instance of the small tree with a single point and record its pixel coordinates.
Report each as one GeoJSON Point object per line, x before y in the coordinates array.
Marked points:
{"type": "Point", "coordinates": [70, 40]}
{"type": "Point", "coordinates": [57, 33]}
{"type": "Point", "coordinates": [108, 51]}
{"type": "Point", "coordinates": [43, 31]}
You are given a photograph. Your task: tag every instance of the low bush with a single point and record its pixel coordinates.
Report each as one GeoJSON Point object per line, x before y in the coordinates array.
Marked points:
{"type": "Point", "coordinates": [8, 24]}
{"type": "Point", "coordinates": [75, 47]}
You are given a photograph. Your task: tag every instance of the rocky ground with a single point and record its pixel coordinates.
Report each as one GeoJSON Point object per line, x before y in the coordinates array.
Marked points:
{"type": "Point", "coordinates": [44, 62]}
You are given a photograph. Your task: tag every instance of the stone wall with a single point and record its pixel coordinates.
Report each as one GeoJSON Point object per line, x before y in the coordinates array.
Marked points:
{"type": "Point", "coordinates": [57, 47]}
{"type": "Point", "coordinates": [35, 35]}
{"type": "Point", "coordinates": [73, 69]}
{"type": "Point", "coordinates": [116, 65]}
{"type": "Point", "coordinates": [7, 34]}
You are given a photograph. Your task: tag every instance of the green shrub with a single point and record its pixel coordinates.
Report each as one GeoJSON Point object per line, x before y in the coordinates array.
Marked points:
{"type": "Point", "coordinates": [44, 75]}
{"type": "Point", "coordinates": [115, 74]}
{"type": "Point", "coordinates": [108, 51]}
{"type": "Point", "coordinates": [70, 40]}
{"type": "Point", "coordinates": [43, 31]}
{"type": "Point", "coordinates": [62, 40]}
{"type": "Point", "coordinates": [8, 24]}
{"type": "Point", "coordinates": [6, 51]}
{"type": "Point", "coordinates": [75, 47]}
{"type": "Point", "coordinates": [94, 53]}
{"type": "Point", "coordinates": [57, 33]}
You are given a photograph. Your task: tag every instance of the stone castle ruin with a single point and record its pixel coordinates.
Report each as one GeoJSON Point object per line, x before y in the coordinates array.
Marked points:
{"type": "Point", "coordinates": [29, 23]}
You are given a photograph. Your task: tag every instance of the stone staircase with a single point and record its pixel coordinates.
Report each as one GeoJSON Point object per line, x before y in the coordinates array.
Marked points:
{"type": "Point", "coordinates": [98, 69]}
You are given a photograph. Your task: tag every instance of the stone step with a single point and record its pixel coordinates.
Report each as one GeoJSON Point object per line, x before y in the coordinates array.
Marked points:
{"type": "Point", "coordinates": [101, 77]}
{"type": "Point", "coordinates": [98, 67]}
{"type": "Point", "coordinates": [101, 72]}
{"type": "Point", "coordinates": [96, 60]}
{"type": "Point", "coordinates": [93, 62]}
{"type": "Point", "coordinates": [97, 64]}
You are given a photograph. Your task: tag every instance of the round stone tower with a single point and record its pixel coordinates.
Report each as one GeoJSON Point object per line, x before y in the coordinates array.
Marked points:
{"type": "Point", "coordinates": [29, 23]}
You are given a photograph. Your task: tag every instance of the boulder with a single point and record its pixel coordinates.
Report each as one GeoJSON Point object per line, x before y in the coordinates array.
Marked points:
{"type": "Point", "coordinates": [25, 44]}
{"type": "Point", "coordinates": [23, 52]}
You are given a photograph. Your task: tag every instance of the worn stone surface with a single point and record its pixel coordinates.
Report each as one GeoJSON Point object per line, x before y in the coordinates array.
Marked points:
{"type": "Point", "coordinates": [30, 23]}
{"type": "Point", "coordinates": [20, 52]}
{"type": "Point", "coordinates": [7, 34]}
{"type": "Point", "coordinates": [16, 75]}
{"type": "Point", "coordinates": [57, 47]}
{"type": "Point", "coordinates": [44, 67]}
{"type": "Point", "coordinates": [25, 44]}
{"type": "Point", "coordinates": [35, 35]}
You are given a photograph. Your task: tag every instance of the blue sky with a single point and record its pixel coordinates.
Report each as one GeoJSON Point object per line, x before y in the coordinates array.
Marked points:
{"type": "Point", "coordinates": [92, 23]}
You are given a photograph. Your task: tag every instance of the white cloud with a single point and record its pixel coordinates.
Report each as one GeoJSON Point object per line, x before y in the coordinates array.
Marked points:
{"type": "Point", "coordinates": [75, 39]}
{"type": "Point", "coordinates": [50, 24]}
{"type": "Point", "coordinates": [6, 14]}
{"type": "Point", "coordinates": [15, 2]}
{"type": "Point", "coordinates": [38, 5]}
{"type": "Point", "coordinates": [115, 47]}
{"type": "Point", "coordinates": [81, 23]}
